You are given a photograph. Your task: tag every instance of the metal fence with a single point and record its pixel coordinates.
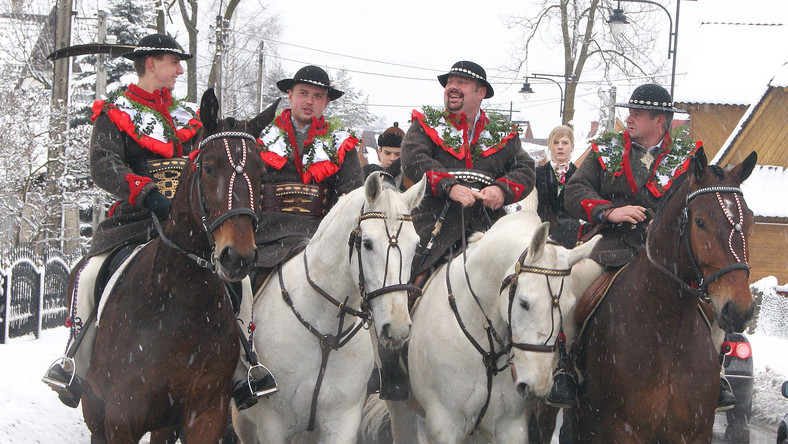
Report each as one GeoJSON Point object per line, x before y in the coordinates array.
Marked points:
{"type": "Point", "coordinates": [33, 293]}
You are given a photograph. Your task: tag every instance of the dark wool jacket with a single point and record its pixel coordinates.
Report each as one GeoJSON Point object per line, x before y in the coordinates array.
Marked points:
{"type": "Point", "coordinates": [511, 168]}
{"type": "Point", "coordinates": [592, 190]}
{"type": "Point", "coordinates": [563, 226]}
{"type": "Point", "coordinates": [114, 155]}
{"type": "Point", "coordinates": [280, 235]}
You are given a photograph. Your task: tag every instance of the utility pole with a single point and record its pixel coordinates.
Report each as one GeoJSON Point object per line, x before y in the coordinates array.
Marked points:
{"type": "Point", "coordinates": [219, 51]}
{"type": "Point", "coordinates": [260, 71]}
{"type": "Point", "coordinates": [58, 122]}
{"type": "Point", "coordinates": [101, 67]}
{"type": "Point", "coordinates": [611, 110]}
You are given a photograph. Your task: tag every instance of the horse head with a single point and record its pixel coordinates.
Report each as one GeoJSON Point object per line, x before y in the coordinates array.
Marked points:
{"type": "Point", "coordinates": [225, 176]}
{"type": "Point", "coordinates": [718, 224]}
{"type": "Point", "coordinates": [385, 241]}
{"type": "Point", "coordinates": [539, 300]}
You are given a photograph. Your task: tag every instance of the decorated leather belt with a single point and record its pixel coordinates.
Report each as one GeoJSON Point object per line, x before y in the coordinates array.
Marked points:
{"type": "Point", "coordinates": [473, 178]}
{"type": "Point", "coordinates": [296, 198]}
{"type": "Point", "coordinates": [166, 173]}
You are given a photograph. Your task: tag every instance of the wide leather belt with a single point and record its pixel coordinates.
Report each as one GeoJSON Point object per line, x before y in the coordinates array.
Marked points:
{"type": "Point", "coordinates": [473, 178]}
{"type": "Point", "coordinates": [166, 173]}
{"type": "Point", "coordinates": [296, 198]}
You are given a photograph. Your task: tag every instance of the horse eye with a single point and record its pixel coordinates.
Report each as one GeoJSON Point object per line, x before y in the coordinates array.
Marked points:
{"type": "Point", "coordinates": [526, 306]}
{"type": "Point", "coordinates": [208, 170]}
{"type": "Point", "coordinates": [699, 222]}
{"type": "Point", "coordinates": [367, 244]}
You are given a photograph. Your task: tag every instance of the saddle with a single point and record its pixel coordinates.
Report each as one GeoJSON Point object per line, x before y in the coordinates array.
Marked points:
{"type": "Point", "coordinates": [594, 295]}
{"type": "Point", "coordinates": [109, 267]}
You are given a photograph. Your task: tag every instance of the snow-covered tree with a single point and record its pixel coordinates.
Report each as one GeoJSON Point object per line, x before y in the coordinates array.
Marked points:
{"type": "Point", "coordinates": [352, 108]}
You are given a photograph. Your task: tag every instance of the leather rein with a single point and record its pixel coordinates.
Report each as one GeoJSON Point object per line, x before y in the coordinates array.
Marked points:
{"type": "Point", "coordinates": [490, 358]}
{"type": "Point", "coordinates": [699, 285]}
{"type": "Point", "coordinates": [329, 342]}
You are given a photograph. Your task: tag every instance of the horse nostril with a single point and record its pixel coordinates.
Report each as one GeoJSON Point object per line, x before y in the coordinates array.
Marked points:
{"type": "Point", "coordinates": [522, 388]}
{"type": "Point", "coordinates": [385, 331]}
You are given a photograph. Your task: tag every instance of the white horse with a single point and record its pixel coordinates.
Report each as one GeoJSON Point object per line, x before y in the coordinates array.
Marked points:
{"type": "Point", "coordinates": [454, 389]}
{"type": "Point", "coordinates": [308, 313]}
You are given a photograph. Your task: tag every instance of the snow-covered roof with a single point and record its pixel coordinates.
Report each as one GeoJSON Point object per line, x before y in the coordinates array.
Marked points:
{"type": "Point", "coordinates": [733, 61]}
{"type": "Point", "coordinates": [737, 48]}
{"type": "Point", "coordinates": [764, 191]}
{"type": "Point", "coordinates": [779, 80]}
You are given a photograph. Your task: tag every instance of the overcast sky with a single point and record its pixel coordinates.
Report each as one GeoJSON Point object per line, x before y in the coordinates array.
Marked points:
{"type": "Point", "coordinates": [429, 37]}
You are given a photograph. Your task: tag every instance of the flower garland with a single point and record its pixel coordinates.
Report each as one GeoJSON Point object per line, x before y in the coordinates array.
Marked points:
{"type": "Point", "coordinates": [167, 128]}
{"type": "Point", "coordinates": [324, 137]}
{"type": "Point", "coordinates": [448, 126]}
{"type": "Point", "coordinates": [609, 149]}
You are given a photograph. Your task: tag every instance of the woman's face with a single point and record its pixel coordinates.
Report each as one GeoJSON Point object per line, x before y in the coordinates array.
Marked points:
{"type": "Point", "coordinates": [561, 149]}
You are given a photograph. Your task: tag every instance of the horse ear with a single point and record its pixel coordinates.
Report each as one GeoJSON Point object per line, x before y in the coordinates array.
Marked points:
{"type": "Point", "coordinates": [538, 242]}
{"type": "Point", "coordinates": [209, 111]}
{"type": "Point", "coordinates": [699, 163]}
{"type": "Point", "coordinates": [373, 187]}
{"type": "Point", "coordinates": [415, 194]}
{"type": "Point", "coordinates": [583, 251]}
{"type": "Point", "coordinates": [743, 170]}
{"type": "Point", "coordinates": [262, 120]}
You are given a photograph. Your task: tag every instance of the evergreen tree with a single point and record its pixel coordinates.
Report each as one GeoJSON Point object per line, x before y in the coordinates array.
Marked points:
{"type": "Point", "coordinates": [352, 108]}
{"type": "Point", "coordinates": [128, 21]}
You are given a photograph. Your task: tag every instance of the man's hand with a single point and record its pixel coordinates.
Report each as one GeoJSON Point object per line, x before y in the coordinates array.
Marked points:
{"type": "Point", "coordinates": [492, 197]}
{"type": "Point", "coordinates": [464, 195]}
{"type": "Point", "coordinates": [628, 213]}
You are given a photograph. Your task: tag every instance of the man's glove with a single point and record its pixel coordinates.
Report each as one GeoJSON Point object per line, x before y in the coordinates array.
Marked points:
{"type": "Point", "coordinates": [158, 204]}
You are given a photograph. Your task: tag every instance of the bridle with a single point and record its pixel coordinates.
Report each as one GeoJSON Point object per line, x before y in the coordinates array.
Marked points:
{"type": "Point", "coordinates": [329, 342]}
{"type": "Point", "coordinates": [196, 182]}
{"type": "Point", "coordinates": [511, 282]}
{"type": "Point", "coordinates": [699, 285]}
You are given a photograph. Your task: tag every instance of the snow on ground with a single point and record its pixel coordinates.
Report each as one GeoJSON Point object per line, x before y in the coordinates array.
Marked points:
{"type": "Point", "coordinates": [31, 413]}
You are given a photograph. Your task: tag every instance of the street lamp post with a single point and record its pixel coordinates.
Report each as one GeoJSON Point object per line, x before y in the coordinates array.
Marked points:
{"type": "Point", "coordinates": [526, 91]}
{"type": "Point", "coordinates": [617, 21]}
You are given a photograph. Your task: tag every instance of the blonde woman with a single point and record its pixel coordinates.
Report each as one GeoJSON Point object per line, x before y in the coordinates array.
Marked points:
{"type": "Point", "coordinates": [550, 180]}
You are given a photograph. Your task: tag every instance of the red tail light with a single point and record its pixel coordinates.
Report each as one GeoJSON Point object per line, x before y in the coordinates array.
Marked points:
{"type": "Point", "coordinates": [741, 350]}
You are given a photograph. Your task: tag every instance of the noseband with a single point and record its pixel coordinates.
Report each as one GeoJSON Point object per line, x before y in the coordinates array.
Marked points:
{"type": "Point", "coordinates": [700, 284]}
{"type": "Point", "coordinates": [511, 282]}
{"type": "Point", "coordinates": [209, 227]}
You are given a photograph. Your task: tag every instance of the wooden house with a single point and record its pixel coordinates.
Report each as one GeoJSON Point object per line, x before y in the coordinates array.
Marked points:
{"type": "Point", "coordinates": [764, 128]}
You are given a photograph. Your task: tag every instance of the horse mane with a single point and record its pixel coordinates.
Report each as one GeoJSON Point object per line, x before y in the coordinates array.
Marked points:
{"type": "Point", "coordinates": [666, 198]}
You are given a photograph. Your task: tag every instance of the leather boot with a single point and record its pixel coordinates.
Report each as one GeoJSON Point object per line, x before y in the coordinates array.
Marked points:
{"type": "Point", "coordinates": [60, 377]}
{"type": "Point", "coordinates": [727, 399]}
{"type": "Point", "coordinates": [393, 380]}
{"type": "Point", "coordinates": [258, 383]}
{"type": "Point", "coordinates": [563, 394]}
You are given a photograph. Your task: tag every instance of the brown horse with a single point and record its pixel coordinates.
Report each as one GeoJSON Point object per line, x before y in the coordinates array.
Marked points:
{"type": "Point", "coordinates": [651, 369]}
{"type": "Point", "coordinates": [167, 341]}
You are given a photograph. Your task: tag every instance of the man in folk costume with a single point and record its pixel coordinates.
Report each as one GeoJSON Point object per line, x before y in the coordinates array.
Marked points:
{"type": "Point", "coordinates": [310, 162]}
{"type": "Point", "coordinates": [475, 165]}
{"type": "Point", "coordinates": [623, 179]}
{"type": "Point", "coordinates": [140, 135]}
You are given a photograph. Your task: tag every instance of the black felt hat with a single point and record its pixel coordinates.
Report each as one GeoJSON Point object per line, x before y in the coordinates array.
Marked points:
{"type": "Point", "coordinates": [470, 70]}
{"type": "Point", "coordinates": [155, 44]}
{"type": "Point", "coordinates": [652, 97]}
{"type": "Point", "coordinates": [392, 137]}
{"type": "Point", "coordinates": [312, 75]}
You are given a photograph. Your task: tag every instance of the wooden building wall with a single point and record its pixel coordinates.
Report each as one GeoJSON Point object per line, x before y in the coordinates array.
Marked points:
{"type": "Point", "coordinates": [768, 250]}
{"type": "Point", "coordinates": [765, 131]}
{"type": "Point", "coordinates": [713, 124]}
